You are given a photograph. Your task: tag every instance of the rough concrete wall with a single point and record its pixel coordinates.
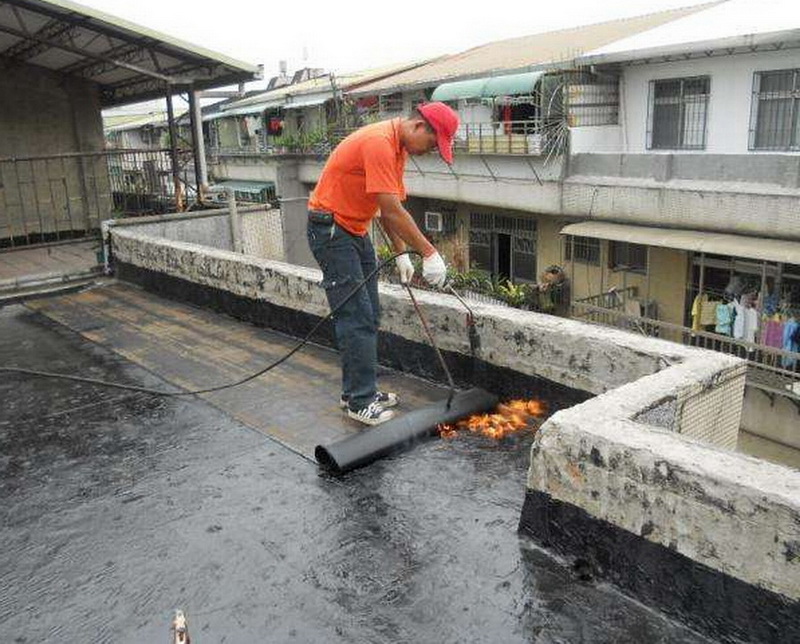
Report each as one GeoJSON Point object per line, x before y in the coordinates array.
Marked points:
{"type": "Point", "coordinates": [772, 417]}
{"type": "Point", "coordinates": [736, 514]}
{"type": "Point", "coordinates": [262, 234]}
{"type": "Point", "coordinates": [214, 231]}
{"type": "Point", "coordinates": [640, 189]}
{"type": "Point", "coordinates": [703, 205]}
{"type": "Point", "coordinates": [244, 168]}
{"type": "Point", "coordinates": [43, 114]}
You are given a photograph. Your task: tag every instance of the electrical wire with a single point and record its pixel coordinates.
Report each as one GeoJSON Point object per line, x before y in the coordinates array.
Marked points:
{"type": "Point", "coordinates": [175, 394]}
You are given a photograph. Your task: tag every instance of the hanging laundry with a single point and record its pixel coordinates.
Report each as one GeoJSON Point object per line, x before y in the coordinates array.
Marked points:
{"type": "Point", "coordinates": [708, 313]}
{"type": "Point", "coordinates": [724, 322]}
{"type": "Point", "coordinates": [700, 302]}
{"type": "Point", "coordinates": [750, 327]}
{"type": "Point", "coordinates": [772, 336]}
{"type": "Point", "coordinates": [791, 330]}
{"type": "Point", "coordinates": [738, 319]}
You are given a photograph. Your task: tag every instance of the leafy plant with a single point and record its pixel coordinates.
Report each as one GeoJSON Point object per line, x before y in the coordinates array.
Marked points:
{"type": "Point", "coordinates": [516, 295]}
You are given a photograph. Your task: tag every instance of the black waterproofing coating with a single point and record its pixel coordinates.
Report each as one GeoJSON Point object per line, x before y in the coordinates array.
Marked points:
{"type": "Point", "coordinates": [400, 433]}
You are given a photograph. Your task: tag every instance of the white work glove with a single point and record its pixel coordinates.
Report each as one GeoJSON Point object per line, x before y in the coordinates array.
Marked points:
{"type": "Point", "coordinates": [434, 270]}
{"type": "Point", "coordinates": [405, 268]}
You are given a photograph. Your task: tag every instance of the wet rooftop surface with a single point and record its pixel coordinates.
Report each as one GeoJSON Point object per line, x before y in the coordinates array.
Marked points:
{"type": "Point", "coordinates": [119, 507]}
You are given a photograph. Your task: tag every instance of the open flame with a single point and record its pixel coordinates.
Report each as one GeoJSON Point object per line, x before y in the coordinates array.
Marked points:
{"type": "Point", "coordinates": [508, 418]}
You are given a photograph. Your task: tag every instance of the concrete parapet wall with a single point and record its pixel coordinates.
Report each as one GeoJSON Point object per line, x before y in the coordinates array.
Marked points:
{"type": "Point", "coordinates": [570, 353]}
{"type": "Point", "coordinates": [736, 514]}
{"type": "Point", "coordinates": [585, 357]}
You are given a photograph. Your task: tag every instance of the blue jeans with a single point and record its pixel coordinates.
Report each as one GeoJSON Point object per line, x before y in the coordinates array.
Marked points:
{"type": "Point", "coordinates": [345, 260]}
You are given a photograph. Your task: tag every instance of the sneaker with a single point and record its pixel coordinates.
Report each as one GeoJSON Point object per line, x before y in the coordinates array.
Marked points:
{"type": "Point", "coordinates": [372, 414]}
{"type": "Point", "coordinates": [385, 398]}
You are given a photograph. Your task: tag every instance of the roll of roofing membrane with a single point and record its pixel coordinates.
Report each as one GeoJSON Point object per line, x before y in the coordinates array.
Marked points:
{"type": "Point", "coordinates": [401, 432]}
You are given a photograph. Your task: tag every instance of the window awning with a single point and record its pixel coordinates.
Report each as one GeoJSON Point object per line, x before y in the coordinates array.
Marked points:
{"type": "Point", "coordinates": [769, 250]}
{"type": "Point", "coordinates": [489, 87]}
{"type": "Point", "coordinates": [250, 187]}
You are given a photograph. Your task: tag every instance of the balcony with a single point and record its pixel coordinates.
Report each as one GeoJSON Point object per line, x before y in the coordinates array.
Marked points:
{"type": "Point", "coordinates": [536, 137]}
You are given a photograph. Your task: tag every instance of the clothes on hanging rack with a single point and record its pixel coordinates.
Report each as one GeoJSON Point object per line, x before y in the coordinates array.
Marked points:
{"type": "Point", "coordinates": [724, 318]}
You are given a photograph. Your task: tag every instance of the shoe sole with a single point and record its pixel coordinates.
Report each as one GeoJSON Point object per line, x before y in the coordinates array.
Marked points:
{"type": "Point", "coordinates": [385, 405]}
{"type": "Point", "coordinates": [371, 423]}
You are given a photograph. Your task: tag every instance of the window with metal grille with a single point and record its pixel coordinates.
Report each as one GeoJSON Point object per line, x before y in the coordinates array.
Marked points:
{"type": "Point", "coordinates": [774, 118]}
{"type": "Point", "coordinates": [391, 102]}
{"type": "Point", "coordinates": [481, 220]}
{"type": "Point", "coordinates": [584, 250]}
{"type": "Point", "coordinates": [678, 109]}
{"type": "Point", "coordinates": [627, 257]}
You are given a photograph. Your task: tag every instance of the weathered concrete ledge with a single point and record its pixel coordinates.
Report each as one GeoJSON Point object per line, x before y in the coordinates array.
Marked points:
{"type": "Point", "coordinates": [636, 461]}
{"type": "Point", "coordinates": [709, 535]}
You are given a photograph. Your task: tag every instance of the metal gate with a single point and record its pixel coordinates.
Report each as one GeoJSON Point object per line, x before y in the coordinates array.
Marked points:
{"type": "Point", "coordinates": [53, 198]}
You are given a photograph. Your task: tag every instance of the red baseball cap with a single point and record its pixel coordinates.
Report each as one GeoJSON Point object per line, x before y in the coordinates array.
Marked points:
{"type": "Point", "coordinates": [444, 120]}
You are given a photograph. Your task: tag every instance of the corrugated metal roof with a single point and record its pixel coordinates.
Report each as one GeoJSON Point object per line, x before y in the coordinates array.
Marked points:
{"type": "Point", "coordinates": [120, 122]}
{"type": "Point", "coordinates": [342, 82]}
{"type": "Point", "coordinates": [130, 63]}
{"type": "Point", "coordinates": [524, 53]}
{"type": "Point", "coordinates": [771, 250]}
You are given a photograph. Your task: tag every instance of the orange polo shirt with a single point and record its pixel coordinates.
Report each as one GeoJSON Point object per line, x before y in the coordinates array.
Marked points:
{"type": "Point", "coordinates": [367, 162]}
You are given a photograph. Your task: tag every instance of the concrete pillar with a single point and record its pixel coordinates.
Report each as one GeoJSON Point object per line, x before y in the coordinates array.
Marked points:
{"type": "Point", "coordinates": [293, 198]}
{"type": "Point", "coordinates": [200, 167]}
{"type": "Point", "coordinates": [235, 223]}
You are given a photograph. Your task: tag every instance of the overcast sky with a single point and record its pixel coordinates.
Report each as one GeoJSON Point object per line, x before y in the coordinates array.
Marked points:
{"type": "Point", "coordinates": [350, 35]}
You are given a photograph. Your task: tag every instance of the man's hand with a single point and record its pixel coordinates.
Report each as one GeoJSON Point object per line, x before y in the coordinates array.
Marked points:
{"type": "Point", "coordinates": [434, 270]}
{"type": "Point", "coordinates": [405, 268]}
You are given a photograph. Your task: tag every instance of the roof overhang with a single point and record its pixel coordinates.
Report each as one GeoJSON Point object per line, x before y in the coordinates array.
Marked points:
{"type": "Point", "coordinates": [306, 100]}
{"type": "Point", "coordinates": [488, 87]}
{"type": "Point", "coordinates": [130, 63]}
{"type": "Point", "coordinates": [769, 250]}
{"type": "Point", "coordinates": [744, 43]}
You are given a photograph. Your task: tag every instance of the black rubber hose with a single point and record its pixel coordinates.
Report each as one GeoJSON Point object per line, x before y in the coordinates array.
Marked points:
{"type": "Point", "coordinates": [402, 432]}
{"type": "Point", "coordinates": [269, 367]}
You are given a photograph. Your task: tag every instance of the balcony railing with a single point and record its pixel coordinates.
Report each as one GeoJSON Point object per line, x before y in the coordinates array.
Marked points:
{"type": "Point", "coordinates": [65, 196]}
{"type": "Point", "coordinates": [772, 370]}
{"type": "Point", "coordinates": [535, 137]}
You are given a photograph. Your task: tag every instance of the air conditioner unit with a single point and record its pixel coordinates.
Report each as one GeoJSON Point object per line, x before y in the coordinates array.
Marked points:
{"type": "Point", "coordinates": [433, 222]}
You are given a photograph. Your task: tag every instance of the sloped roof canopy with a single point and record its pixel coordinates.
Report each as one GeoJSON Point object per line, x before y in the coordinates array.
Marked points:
{"type": "Point", "coordinates": [771, 250]}
{"type": "Point", "coordinates": [490, 87]}
{"type": "Point", "coordinates": [130, 63]}
{"type": "Point", "coordinates": [527, 53]}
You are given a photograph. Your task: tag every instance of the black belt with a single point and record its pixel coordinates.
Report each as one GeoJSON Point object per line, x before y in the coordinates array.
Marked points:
{"type": "Point", "coordinates": [320, 217]}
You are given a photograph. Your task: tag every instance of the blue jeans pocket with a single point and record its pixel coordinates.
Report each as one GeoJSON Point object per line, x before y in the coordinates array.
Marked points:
{"type": "Point", "coordinates": [332, 251]}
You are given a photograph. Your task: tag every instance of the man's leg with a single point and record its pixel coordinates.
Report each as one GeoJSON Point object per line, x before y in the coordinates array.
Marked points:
{"type": "Point", "coordinates": [339, 256]}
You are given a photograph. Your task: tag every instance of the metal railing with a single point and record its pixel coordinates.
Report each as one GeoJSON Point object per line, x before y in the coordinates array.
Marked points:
{"type": "Point", "coordinates": [612, 299]}
{"type": "Point", "coordinates": [533, 137]}
{"type": "Point", "coordinates": [64, 196]}
{"type": "Point", "coordinates": [770, 369]}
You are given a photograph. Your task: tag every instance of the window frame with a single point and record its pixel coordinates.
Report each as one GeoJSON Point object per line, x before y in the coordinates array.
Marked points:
{"type": "Point", "coordinates": [755, 111]}
{"type": "Point", "coordinates": [614, 265]}
{"type": "Point", "coordinates": [682, 102]}
{"type": "Point", "coordinates": [589, 246]}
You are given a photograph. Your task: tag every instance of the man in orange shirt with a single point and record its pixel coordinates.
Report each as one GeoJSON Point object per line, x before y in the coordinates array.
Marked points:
{"type": "Point", "coordinates": [364, 175]}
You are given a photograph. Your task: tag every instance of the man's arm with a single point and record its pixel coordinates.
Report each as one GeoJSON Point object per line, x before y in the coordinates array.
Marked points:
{"type": "Point", "coordinates": [400, 226]}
